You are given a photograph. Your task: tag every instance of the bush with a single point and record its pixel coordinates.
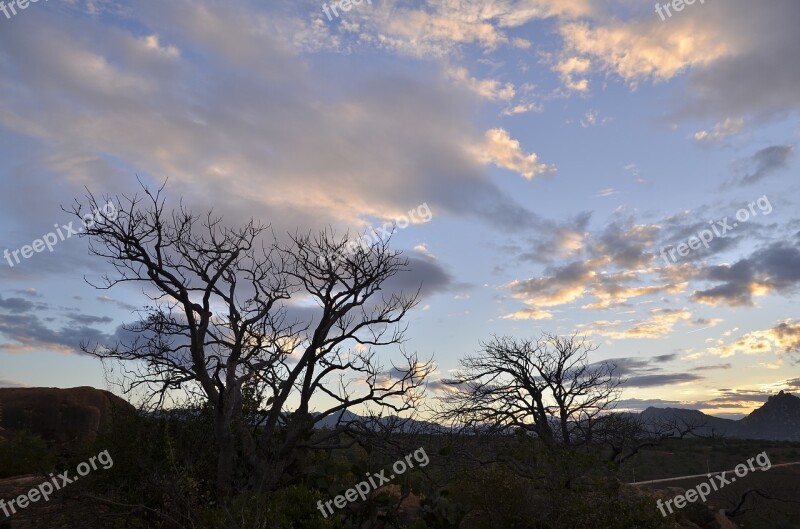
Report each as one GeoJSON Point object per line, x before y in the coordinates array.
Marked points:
{"type": "Point", "coordinates": [25, 453]}
{"type": "Point", "coordinates": [290, 508]}
{"type": "Point", "coordinates": [502, 498]}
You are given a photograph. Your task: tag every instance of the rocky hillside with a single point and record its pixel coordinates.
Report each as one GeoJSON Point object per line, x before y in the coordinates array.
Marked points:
{"type": "Point", "coordinates": [777, 419]}
{"type": "Point", "coordinates": [65, 416]}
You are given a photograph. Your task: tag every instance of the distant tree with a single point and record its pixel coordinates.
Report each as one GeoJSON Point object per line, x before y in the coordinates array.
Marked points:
{"type": "Point", "coordinates": [627, 434]}
{"type": "Point", "coordinates": [545, 387]}
{"type": "Point", "coordinates": [223, 318]}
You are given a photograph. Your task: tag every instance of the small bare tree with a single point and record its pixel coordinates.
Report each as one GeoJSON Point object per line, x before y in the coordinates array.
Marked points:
{"type": "Point", "coordinates": [756, 499]}
{"type": "Point", "coordinates": [222, 317]}
{"type": "Point", "coordinates": [626, 435]}
{"type": "Point", "coordinates": [545, 386]}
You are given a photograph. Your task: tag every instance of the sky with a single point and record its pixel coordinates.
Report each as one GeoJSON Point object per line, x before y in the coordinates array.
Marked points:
{"type": "Point", "coordinates": [565, 166]}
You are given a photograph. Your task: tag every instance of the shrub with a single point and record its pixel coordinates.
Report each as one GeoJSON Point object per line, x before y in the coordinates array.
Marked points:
{"type": "Point", "coordinates": [290, 508]}
{"type": "Point", "coordinates": [25, 453]}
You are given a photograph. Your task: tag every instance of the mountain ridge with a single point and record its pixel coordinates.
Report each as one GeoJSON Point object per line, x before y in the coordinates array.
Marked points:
{"type": "Point", "coordinates": [778, 419]}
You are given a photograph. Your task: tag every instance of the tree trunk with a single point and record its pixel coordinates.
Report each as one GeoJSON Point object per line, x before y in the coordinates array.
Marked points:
{"type": "Point", "coordinates": [274, 460]}
{"type": "Point", "coordinates": [228, 410]}
{"type": "Point", "coordinates": [226, 454]}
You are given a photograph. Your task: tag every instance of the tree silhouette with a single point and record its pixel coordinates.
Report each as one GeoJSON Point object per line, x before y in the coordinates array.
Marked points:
{"type": "Point", "coordinates": [224, 315]}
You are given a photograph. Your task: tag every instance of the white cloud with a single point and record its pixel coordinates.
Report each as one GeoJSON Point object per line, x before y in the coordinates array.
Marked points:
{"type": "Point", "coordinates": [722, 130]}
{"type": "Point", "coordinates": [638, 51]}
{"type": "Point", "coordinates": [490, 89]}
{"type": "Point", "coordinates": [499, 148]}
{"type": "Point", "coordinates": [522, 108]}
{"type": "Point", "coordinates": [529, 314]}
{"type": "Point", "coordinates": [299, 145]}
{"type": "Point", "coordinates": [572, 67]}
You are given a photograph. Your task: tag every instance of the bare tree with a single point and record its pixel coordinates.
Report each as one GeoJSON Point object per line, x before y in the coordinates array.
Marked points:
{"type": "Point", "coordinates": [545, 386]}
{"type": "Point", "coordinates": [742, 504]}
{"type": "Point", "coordinates": [626, 435]}
{"type": "Point", "coordinates": [225, 314]}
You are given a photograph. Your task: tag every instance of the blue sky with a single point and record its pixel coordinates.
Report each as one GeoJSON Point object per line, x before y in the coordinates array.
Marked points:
{"type": "Point", "coordinates": [559, 144]}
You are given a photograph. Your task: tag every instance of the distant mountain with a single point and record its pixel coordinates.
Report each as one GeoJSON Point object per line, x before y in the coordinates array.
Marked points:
{"type": "Point", "coordinates": [777, 420]}
{"type": "Point", "coordinates": [713, 425]}
{"type": "Point", "coordinates": [391, 421]}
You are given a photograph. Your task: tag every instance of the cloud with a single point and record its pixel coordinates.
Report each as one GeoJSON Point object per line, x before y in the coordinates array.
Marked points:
{"type": "Point", "coordinates": [665, 358]}
{"type": "Point", "coordinates": [558, 240]}
{"type": "Point", "coordinates": [638, 405]}
{"type": "Point", "coordinates": [635, 173]}
{"type": "Point", "coordinates": [648, 381]}
{"type": "Point", "coordinates": [522, 108]}
{"type": "Point", "coordinates": [499, 148]}
{"type": "Point", "coordinates": [760, 74]}
{"type": "Point", "coordinates": [441, 386]}
{"type": "Point", "coordinates": [11, 384]}
{"type": "Point", "coordinates": [150, 105]}
{"type": "Point", "coordinates": [611, 266]}
{"type": "Point", "coordinates": [658, 324]}
{"type": "Point", "coordinates": [591, 119]}
{"type": "Point", "coordinates": [120, 304]}
{"type": "Point", "coordinates": [625, 245]}
{"type": "Point", "coordinates": [722, 130]}
{"type": "Point", "coordinates": [563, 285]}
{"type": "Point", "coordinates": [738, 57]}
{"type": "Point", "coordinates": [712, 367]}
{"type": "Point", "coordinates": [726, 399]}
{"type": "Point", "coordinates": [764, 163]}
{"type": "Point", "coordinates": [633, 366]}
{"type": "Point", "coordinates": [16, 305]}
{"type": "Point", "coordinates": [570, 69]}
{"type": "Point", "coordinates": [423, 271]}
{"type": "Point", "coordinates": [438, 29]}
{"type": "Point", "coordinates": [610, 293]}
{"type": "Point", "coordinates": [783, 338]}
{"type": "Point", "coordinates": [490, 89]}
{"type": "Point", "coordinates": [706, 322]}
{"type": "Point", "coordinates": [773, 269]}
{"type": "Point", "coordinates": [27, 333]}
{"type": "Point", "coordinates": [637, 50]}
{"type": "Point", "coordinates": [29, 292]}
{"type": "Point", "coordinates": [84, 319]}
{"type": "Point", "coordinates": [647, 372]}
{"type": "Point", "coordinates": [616, 267]}
{"type": "Point", "coordinates": [529, 314]}
{"type": "Point", "coordinates": [738, 398]}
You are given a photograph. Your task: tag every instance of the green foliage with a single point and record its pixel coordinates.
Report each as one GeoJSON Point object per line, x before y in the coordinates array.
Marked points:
{"type": "Point", "coordinates": [164, 469]}
{"type": "Point", "coordinates": [440, 512]}
{"type": "Point", "coordinates": [296, 508]}
{"type": "Point", "coordinates": [25, 453]}
{"type": "Point", "coordinates": [290, 508]}
{"type": "Point", "coordinates": [163, 464]}
{"type": "Point", "coordinates": [500, 497]}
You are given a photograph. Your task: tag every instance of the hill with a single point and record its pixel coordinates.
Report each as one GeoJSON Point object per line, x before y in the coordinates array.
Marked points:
{"type": "Point", "coordinates": [777, 420]}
